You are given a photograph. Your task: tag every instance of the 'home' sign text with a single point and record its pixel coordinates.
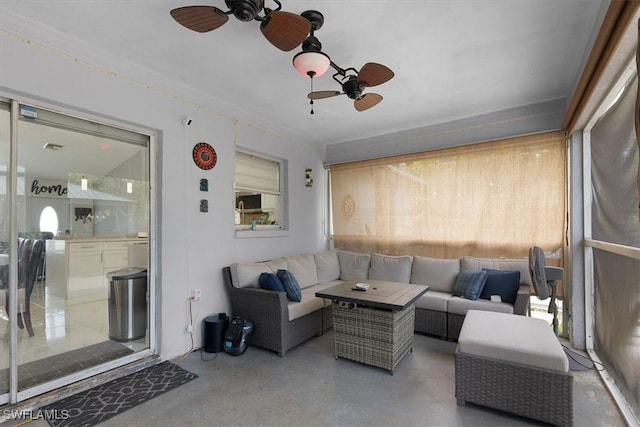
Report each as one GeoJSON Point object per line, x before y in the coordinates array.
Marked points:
{"type": "Point", "coordinates": [45, 188]}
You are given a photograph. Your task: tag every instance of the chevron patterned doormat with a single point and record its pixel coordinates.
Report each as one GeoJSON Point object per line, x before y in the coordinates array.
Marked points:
{"type": "Point", "coordinates": [107, 400]}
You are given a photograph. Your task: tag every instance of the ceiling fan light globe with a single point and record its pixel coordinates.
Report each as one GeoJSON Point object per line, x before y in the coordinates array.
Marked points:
{"type": "Point", "coordinates": [310, 64]}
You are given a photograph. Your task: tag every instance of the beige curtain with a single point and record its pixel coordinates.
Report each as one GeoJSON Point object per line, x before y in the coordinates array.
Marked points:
{"type": "Point", "coordinates": [615, 155]}
{"type": "Point", "coordinates": [493, 199]}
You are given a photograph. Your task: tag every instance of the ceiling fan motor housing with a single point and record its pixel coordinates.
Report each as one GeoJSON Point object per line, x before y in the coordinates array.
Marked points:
{"type": "Point", "coordinates": [352, 88]}
{"type": "Point", "coordinates": [311, 44]}
{"type": "Point", "coordinates": [245, 10]}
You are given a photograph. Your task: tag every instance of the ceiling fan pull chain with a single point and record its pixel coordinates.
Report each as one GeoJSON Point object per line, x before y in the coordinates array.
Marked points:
{"type": "Point", "coordinates": [311, 101]}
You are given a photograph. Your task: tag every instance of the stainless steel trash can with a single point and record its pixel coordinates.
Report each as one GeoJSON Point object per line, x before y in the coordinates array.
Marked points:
{"type": "Point", "coordinates": [127, 304]}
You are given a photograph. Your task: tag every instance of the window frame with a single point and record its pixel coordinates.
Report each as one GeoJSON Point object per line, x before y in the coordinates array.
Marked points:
{"type": "Point", "coordinates": [264, 230]}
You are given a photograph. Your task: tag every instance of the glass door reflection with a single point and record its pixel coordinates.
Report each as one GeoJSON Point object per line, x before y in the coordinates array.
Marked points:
{"type": "Point", "coordinates": [83, 208]}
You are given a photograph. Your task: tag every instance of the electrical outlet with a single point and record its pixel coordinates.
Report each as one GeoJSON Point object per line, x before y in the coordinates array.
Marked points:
{"type": "Point", "coordinates": [196, 294]}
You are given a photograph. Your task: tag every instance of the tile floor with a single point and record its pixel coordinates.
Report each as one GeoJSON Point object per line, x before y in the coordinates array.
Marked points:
{"type": "Point", "coordinates": [59, 327]}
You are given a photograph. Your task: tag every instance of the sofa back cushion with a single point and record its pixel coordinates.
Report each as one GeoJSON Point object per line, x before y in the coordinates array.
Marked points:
{"type": "Point", "coordinates": [328, 266]}
{"type": "Point", "coordinates": [476, 264]}
{"type": "Point", "coordinates": [440, 274]}
{"type": "Point", "coordinates": [390, 268]}
{"type": "Point", "coordinates": [353, 265]}
{"type": "Point", "coordinates": [303, 267]}
{"type": "Point", "coordinates": [247, 274]}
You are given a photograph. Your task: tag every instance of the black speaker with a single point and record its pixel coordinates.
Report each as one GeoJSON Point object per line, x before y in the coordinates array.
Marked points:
{"type": "Point", "coordinates": [213, 329]}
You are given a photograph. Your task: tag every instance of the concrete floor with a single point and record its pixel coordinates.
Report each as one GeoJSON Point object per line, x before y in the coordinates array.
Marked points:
{"type": "Point", "coordinates": [310, 387]}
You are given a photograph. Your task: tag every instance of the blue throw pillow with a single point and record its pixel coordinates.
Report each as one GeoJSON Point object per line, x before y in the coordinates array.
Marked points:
{"type": "Point", "coordinates": [501, 282]}
{"type": "Point", "coordinates": [270, 282]}
{"type": "Point", "coordinates": [291, 286]}
{"type": "Point", "coordinates": [470, 284]}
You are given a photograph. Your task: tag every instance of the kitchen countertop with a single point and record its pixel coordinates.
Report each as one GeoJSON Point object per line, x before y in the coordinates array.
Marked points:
{"type": "Point", "coordinates": [101, 239]}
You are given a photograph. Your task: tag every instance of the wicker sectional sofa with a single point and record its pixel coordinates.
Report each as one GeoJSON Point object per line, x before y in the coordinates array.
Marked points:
{"type": "Point", "coordinates": [281, 324]}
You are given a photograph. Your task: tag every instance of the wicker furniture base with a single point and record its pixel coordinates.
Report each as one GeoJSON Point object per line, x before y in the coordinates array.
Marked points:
{"type": "Point", "coordinates": [327, 318]}
{"type": "Point", "coordinates": [268, 311]}
{"type": "Point", "coordinates": [431, 322]}
{"type": "Point", "coordinates": [372, 336]}
{"type": "Point", "coordinates": [531, 392]}
{"type": "Point", "coordinates": [454, 326]}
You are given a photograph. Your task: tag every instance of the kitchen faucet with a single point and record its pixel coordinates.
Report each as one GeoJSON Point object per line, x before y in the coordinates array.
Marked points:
{"type": "Point", "coordinates": [241, 208]}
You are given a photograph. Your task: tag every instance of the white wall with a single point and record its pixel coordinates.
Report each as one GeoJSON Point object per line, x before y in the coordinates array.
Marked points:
{"type": "Point", "coordinates": [193, 246]}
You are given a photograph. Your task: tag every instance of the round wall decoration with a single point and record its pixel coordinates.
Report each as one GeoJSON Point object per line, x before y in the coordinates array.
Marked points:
{"type": "Point", "coordinates": [204, 156]}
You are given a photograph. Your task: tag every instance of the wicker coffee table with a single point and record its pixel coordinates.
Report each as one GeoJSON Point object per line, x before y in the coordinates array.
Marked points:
{"type": "Point", "coordinates": [375, 326]}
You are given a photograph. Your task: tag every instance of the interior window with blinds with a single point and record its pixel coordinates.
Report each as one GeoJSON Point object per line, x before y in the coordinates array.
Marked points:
{"type": "Point", "coordinates": [494, 199]}
{"type": "Point", "coordinates": [258, 201]}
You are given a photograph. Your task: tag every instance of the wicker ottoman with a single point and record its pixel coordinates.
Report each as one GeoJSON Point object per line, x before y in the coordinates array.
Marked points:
{"type": "Point", "coordinates": [515, 364]}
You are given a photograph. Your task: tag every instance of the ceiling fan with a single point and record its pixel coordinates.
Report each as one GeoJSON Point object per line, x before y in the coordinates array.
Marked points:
{"type": "Point", "coordinates": [354, 83]}
{"type": "Point", "coordinates": [284, 30]}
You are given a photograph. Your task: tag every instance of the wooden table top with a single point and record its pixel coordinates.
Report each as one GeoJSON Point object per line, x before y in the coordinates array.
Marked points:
{"type": "Point", "coordinates": [381, 294]}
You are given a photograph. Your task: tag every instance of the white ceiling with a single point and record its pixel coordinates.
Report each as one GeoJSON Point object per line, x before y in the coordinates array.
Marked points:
{"type": "Point", "coordinates": [452, 60]}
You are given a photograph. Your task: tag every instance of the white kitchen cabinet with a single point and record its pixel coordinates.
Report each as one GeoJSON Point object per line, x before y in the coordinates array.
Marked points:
{"type": "Point", "coordinates": [115, 256]}
{"type": "Point", "coordinates": [85, 269]}
{"type": "Point", "coordinates": [77, 269]}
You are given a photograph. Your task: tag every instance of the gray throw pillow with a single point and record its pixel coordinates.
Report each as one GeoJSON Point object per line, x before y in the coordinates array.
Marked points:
{"type": "Point", "coordinates": [470, 284]}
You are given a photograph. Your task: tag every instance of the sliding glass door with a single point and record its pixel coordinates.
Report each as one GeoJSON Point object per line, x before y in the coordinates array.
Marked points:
{"type": "Point", "coordinates": [4, 250]}
{"type": "Point", "coordinates": [82, 225]}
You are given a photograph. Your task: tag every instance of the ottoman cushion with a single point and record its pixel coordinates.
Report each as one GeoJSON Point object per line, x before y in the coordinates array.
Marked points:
{"type": "Point", "coordinates": [510, 338]}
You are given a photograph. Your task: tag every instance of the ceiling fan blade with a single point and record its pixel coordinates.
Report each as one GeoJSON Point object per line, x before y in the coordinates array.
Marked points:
{"type": "Point", "coordinates": [367, 101]}
{"type": "Point", "coordinates": [373, 74]}
{"type": "Point", "coordinates": [321, 94]}
{"type": "Point", "coordinates": [285, 30]}
{"type": "Point", "coordinates": [200, 18]}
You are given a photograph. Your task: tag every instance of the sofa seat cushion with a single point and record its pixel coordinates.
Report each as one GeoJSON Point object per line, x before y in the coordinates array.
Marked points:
{"type": "Point", "coordinates": [247, 274]}
{"type": "Point", "coordinates": [476, 264]}
{"type": "Point", "coordinates": [323, 286]}
{"type": "Point", "coordinates": [434, 300]}
{"type": "Point", "coordinates": [328, 266]}
{"type": "Point", "coordinates": [516, 339]}
{"type": "Point", "coordinates": [460, 306]}
{"type": "Point", "coordinates": [390, 268]}
{"type": "Point", "coordinates": [303, 267]}
{"type": "Point", "coordinates": [308, 304]}
{"type": "Point", "coordinates": [439, 274]}
{"type": "Point", "coordinates": [354, 265]}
